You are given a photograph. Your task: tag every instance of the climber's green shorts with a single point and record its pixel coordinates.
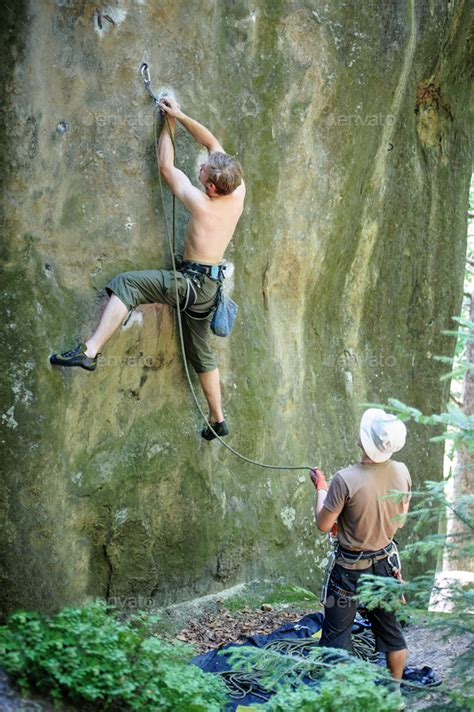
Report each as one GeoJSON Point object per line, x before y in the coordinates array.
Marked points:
{"type": "Point", "coordinates": [151, 286]}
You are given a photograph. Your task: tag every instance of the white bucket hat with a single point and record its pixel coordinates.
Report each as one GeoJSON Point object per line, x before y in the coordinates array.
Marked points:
{"type": "Point", "coordinates": [381, 434]}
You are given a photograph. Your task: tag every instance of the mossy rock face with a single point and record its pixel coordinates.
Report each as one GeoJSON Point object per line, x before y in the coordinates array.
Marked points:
{"type": "Point", "coordinates": [353, 128]}
{"type": "Point", "coordinates": [276, 594]}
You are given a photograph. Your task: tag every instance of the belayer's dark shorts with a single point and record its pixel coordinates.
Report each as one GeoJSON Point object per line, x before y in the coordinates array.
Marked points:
{"type": "Point", "coordinates": [340, 610]}
{"type": "Point", "coordinates": [158, 286]}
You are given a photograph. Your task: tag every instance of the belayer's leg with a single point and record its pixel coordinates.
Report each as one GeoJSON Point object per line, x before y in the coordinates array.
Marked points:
{"type": "Point", "coordinates": [386, 628]}
{"type": "Point", "coordinates": [113, 315]}
{"type": "Point", "coordinates": [396, 662]}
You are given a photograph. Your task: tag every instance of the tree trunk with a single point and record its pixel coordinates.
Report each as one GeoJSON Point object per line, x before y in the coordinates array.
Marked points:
{"type": "Point", "coordinates": [463, 468]}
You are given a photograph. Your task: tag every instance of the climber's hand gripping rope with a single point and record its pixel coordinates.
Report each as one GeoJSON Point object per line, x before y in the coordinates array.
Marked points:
{"type": "Point", "coordinates": [169, 106]}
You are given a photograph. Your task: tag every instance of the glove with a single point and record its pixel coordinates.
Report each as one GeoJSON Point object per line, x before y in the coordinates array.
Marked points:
{"type": "Point", "coordinates": [318, 479]}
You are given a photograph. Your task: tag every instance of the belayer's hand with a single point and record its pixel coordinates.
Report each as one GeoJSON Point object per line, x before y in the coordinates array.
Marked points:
{"type": "Point", "coordinates": [318, 479]}
{"type": "Point", "coordinates": [170, 106]}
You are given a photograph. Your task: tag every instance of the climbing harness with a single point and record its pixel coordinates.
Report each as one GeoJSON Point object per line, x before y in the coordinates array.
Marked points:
{"type": "Point", "coordinates": [190, 297]}
{"type": "Point", "coordinates": [389, 552]}
{"type": "Point", "coordinates": [145, 73]}
{"type": "Point", "coordinates": [224, 308]}
{"type": "Point", "coordinates": [396, 564]}
{"type": "Point", "coordinates": [215, 272]}
{"type": "Point", "coordinates": [327, 576]}
{"type": "Point", "coordinates": [353, 557]}
{"type": "Point", "coordinates": [193, 272]}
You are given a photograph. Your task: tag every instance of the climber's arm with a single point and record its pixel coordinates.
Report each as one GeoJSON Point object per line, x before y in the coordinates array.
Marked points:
{"type": "Point", "coordinates": [197, 130]}
{"type": "Point", "coordinates": [178, 181]}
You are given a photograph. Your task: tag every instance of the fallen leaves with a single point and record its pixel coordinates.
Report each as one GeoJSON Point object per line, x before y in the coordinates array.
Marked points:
{"type": "Point", "coordinates": [214, 630]}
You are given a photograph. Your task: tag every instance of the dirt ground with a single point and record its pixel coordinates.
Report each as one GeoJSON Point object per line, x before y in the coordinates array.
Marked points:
{"type": "Point", "coordinates": [434, 647]}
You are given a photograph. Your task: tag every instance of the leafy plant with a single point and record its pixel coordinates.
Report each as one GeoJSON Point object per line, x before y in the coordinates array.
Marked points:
{"type": "Point", "coordinates": [343, 688]}
{"type": "Point", "coordinates": [89, 654]}
{"type": "Point", "coordinates": [339, 682]}
{"type": "Point", "coordinates": [432, 503]}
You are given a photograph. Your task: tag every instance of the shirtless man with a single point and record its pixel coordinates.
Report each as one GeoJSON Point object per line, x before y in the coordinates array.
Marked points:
{"type": "Point", "coordinates": [214, 214]}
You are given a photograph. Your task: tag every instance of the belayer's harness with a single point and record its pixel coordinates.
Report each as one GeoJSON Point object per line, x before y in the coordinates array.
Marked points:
{"type": "Point", "coordinates": [353, 556]}
{"type": "Point", "coordinates": [389, 552]}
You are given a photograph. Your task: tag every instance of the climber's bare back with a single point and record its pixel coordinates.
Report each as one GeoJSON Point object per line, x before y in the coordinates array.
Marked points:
{"type": "Point", "coordinates": [212, 223]}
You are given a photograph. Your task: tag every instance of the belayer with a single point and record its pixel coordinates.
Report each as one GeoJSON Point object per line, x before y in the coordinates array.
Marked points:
{"type": "Point", "coordinates": [213, 217]}
{"type": "Point", "coordinates": [367, 520]}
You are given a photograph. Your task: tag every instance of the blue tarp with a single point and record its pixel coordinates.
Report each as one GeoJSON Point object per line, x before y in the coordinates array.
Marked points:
{"type": "Point", "coordinates": [215, 661]}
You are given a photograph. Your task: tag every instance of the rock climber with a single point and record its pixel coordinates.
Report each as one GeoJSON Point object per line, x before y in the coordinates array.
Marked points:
{"type": "Point", "coordinates": [213, 216]}
{"type": "Point", "coordinates": [366, 523]}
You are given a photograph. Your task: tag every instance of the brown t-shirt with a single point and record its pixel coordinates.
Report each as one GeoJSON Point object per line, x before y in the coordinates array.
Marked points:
{"type": "Point", "coordinates": [357, 492]}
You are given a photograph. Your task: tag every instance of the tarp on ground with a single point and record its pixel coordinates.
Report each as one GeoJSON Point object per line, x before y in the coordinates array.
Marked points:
{"type": "Point", "coordinates": [244, 689]}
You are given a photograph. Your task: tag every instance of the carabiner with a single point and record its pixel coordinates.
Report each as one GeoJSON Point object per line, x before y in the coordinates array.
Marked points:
{"type": "Point", "coordinates": [145, 72]}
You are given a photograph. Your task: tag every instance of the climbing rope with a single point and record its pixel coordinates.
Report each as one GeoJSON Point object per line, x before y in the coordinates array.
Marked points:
{"type": "Point", "coordinates": [363, 644]}
{"type": "Point", "coordinates": [240, 683]}
{"type": "Point", "coordinates": [171, 235]}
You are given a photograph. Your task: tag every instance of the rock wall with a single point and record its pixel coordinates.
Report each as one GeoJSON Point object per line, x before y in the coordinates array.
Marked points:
{"type": "Point", "coordinates": [352, 123]}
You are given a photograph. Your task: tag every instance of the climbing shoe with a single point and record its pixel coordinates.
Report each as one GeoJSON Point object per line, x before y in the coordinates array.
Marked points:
{"type": "Point", "coordinates": [75, 357]}
{"type": "Point", "coordinates": [220, 428]}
